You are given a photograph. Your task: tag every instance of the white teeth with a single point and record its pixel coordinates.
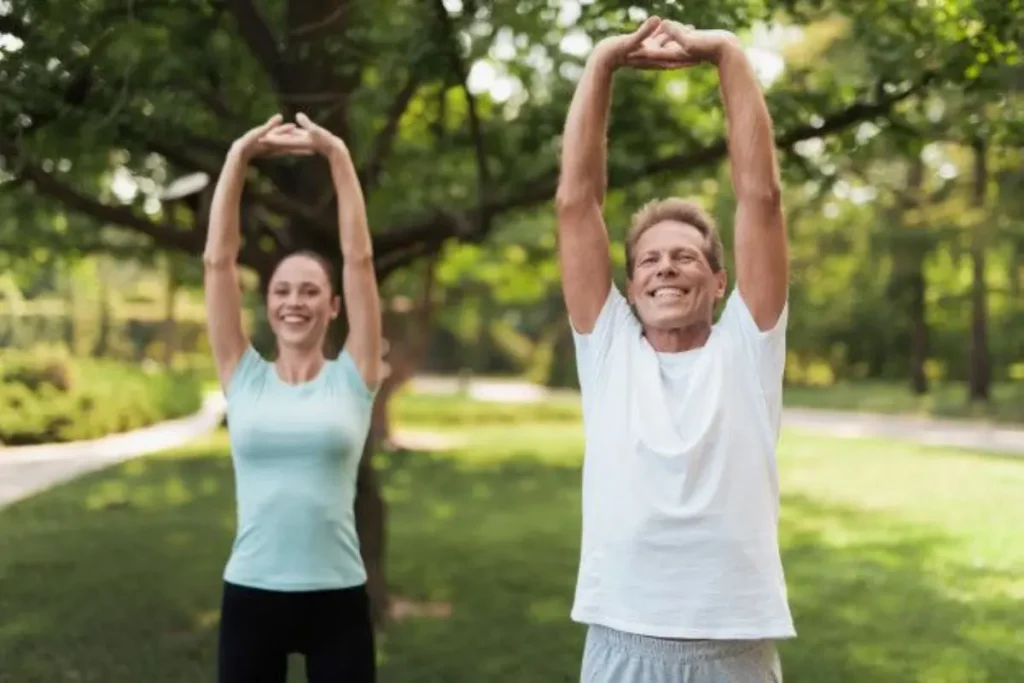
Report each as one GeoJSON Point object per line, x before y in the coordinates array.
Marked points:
{"type": "Point", "coordinates": [293, 319]}
{"type": "Point", "coordinates": [668, 292]}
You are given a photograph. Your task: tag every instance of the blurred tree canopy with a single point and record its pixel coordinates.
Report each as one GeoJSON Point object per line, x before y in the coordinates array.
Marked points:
{"type": "Point", "coordinates": [453, 109]}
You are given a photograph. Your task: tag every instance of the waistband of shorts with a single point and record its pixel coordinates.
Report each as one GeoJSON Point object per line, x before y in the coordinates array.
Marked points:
{"type": "Point", "coordinates": [676, 650]}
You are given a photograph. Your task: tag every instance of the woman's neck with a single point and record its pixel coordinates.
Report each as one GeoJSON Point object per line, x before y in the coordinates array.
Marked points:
{"type": "Point", "coordinates": [295, 366]}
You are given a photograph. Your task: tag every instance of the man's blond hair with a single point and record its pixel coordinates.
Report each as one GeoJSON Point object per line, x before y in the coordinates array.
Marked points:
{"type": "Point", "coordinates": [681, 211]}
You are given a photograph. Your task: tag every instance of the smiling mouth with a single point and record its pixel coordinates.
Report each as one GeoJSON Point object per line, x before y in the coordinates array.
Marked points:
{"type": "Point", "coordinates": [667, 293]}
{"type": "Point", "coordinates": [294, 319]}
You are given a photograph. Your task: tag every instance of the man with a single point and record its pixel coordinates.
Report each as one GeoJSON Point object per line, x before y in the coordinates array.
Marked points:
{"type": "Point", "coordinates": [680, 577]}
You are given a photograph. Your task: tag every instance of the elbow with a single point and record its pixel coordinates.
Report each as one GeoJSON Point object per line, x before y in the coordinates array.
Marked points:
{"type": "Point", "coordinates": [766, 195]}
{"type": "Point", "coordinates": [572, 199]}
{"type": "Point", "coordinates": [375, 374]}
{"type": "Point", "coordinates": [358, 260]}
{"type": "Point", "coordinates": [213, 260]}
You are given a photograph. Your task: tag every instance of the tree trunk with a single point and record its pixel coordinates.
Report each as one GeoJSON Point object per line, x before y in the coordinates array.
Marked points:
{"type": "Point", "coordinates": [918, 332]}
{"type": "Point", "coordinates": [906, 288]}
{"type": "Point", "coordinates": [70, 326]}
{"type": "Point", "coordinates": [170, 322]}
{"type": "Point", "coordinates": [408, 338]}
{"type": "Point", "coordinates": [371, 527]}
{"type": "Point", "coordinates": [1014, 272]}
{"type": "Point", "coordinates": [916, 286]}
{"type": "Point", "coordinates": [979, 365]}
{"type": "Point", "coordinates": [102, 346]}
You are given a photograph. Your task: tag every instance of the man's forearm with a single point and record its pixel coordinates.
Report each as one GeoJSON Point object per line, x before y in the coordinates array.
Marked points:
{"type": "Point", "coordinates": [584, 143]}
{"type": "Point", "coordinates": [751, 138]}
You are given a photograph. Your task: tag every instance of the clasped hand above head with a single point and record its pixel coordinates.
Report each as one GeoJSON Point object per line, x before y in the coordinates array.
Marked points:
{"type": "Point", "coordinates": [276, 138]}
{"type": "Point", "coordinates": [664, 44]}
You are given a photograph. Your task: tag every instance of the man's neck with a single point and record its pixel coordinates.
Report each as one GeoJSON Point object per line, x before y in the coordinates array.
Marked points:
{"type": "Point", "coordinates": [677, 340]}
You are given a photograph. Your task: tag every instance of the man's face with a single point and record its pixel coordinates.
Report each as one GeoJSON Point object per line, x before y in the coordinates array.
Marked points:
{"type": "Point", "coordinates": [672, 285]}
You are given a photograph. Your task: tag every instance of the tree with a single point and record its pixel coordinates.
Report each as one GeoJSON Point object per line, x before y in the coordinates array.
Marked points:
{"type": "Point", "coordinates": [107, 102]}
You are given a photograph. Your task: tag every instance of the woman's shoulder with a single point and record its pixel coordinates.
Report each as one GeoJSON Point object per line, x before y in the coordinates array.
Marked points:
{"type": "Point", "coordinates": [344, 368]}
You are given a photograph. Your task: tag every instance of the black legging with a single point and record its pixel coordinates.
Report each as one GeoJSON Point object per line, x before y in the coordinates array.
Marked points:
{"type": "Point", "coordinates": [260, 628]}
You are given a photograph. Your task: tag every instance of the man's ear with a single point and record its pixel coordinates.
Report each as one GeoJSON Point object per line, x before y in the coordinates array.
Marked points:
{"type": "Point", "coordinates": [629, 291]}
{"type": "Point", "coordinates": [721, 281]}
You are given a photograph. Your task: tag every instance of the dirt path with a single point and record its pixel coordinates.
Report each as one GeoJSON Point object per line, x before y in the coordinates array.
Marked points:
{"type": "Point", "coordinates": [27, 470]}
{"type": "Point", "coordinates": [966, 434]}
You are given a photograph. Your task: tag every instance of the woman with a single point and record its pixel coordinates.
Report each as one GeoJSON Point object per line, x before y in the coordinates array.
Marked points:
{"type": "Point", "coordinates": [295, 582]}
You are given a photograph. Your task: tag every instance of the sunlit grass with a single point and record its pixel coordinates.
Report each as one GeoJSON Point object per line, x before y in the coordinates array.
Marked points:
{"type": "Point", "coordinates": [903, 564]}
{"type": "Point", "coordinates": [942, 400]}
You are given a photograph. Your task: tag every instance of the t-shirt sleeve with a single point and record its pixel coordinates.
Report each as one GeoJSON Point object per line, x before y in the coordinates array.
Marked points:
{"type": "Point", "coordinates": [765, 348]}
{"type": "Point", "coordinates": [351, 379]}
{"type": "Point", "coordinates": [594, 348]}
{"type": "Point", "coordinates": [248, 371]}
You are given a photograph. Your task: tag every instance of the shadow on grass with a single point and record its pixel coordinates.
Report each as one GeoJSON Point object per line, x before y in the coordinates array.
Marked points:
{"type": "Point", "coordinates": [876, 600]}
{"type": "Point", "coordinates": [116, 578]}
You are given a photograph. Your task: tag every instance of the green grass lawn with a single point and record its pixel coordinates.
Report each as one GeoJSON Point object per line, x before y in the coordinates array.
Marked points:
{"type": "Point", "coordinates": [943, 400]}
{"type": "Point", "coordinates": [904, 564]}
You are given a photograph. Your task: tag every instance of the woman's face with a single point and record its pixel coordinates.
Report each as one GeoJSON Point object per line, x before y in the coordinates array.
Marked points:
{"type": "Point", "coordinates": [300, 303]}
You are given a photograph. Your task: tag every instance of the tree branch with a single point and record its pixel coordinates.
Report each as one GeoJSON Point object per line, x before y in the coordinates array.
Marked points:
{"type": "Point", "coordinates": [401, 246]}
{"type": "Point", "coordinates": [335, 16]}
{"type": "Point", "coordinates": [475, 127]}
{"type": "Point", "coordinates": [274, 201]}
{"type": "Point", "coordinates": [258, 37]}
{"type": "Point", "coordinates": [165, 234]}
{"type": "Point", "coordinates": [399, 259]}
{"type": "Point", "coordinates": [384, 141]}
{"type": "Point", "coordinates": [14, 26]}
{"type": "Point", "coordinates": [542, 187]}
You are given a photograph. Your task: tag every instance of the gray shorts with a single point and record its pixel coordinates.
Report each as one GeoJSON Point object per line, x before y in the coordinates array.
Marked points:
{"type": "Point", "coordinates": [614, 657]}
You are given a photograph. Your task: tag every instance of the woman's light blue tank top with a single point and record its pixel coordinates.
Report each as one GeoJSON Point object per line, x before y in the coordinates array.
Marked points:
{"type": "Point", "coordinates": [296, 452]}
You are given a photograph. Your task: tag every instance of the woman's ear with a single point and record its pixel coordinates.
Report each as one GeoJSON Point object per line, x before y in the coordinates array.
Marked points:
{"type": "Point", "coordinates": [335, 306]}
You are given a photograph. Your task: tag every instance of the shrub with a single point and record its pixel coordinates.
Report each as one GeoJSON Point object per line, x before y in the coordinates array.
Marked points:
{"type": "Point", "coordinates": [47, 396]}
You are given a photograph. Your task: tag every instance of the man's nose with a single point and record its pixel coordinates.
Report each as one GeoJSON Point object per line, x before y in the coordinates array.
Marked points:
{"type": "Point", "coordinates": [666, 268]}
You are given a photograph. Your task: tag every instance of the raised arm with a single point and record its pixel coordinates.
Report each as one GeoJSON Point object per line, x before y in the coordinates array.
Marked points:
{"type": "Point", "coordinates": [223, 241]}
{"type": "Point", "coordinates": [762, 253]}
{"type": "Point", "coordinates": [582, 236]}
{"type": "Point", "coordinates": [359, 277]}
{"type": "Point", "coordinates": [762, 258]}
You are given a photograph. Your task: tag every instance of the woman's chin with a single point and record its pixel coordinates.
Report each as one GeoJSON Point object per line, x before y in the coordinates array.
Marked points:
{"type": "Point", "coordinates": [299, 339]}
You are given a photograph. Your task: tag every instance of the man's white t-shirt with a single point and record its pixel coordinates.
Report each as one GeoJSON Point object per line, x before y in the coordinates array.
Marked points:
{"type": "Point", "coordinates": [680, 487]}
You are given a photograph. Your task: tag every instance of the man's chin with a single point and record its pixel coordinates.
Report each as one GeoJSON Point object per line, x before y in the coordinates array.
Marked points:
{"type": "Point", "coordinates": [671, 319]}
